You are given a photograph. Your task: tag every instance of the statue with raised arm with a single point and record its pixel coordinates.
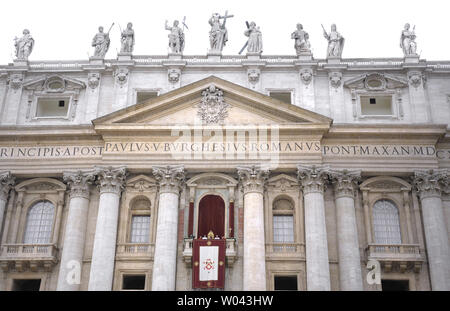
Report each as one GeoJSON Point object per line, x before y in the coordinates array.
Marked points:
{"type": "Point", "coordinates": [407, 41]}
{"type": "Point", "coordinates": [176, 37]}
{"type": "Point", "coordinates": [335, 42]}
{"type": "Point", "coordinates": [254, 39]}
{"type": "Point", "coordinates": [301, 38]}
{"type": "Point", "coordinates": [24, 46]}
{"type": "Point", "coordinates": [127, 39]}
{"type": "Point", "coordinates": [218, 35]}
{"type": "Point", "coordinates": [101, 42]}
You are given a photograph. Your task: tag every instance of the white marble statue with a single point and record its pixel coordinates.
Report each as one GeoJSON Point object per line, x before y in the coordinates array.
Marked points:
{"type": "Point", "coordinates": [218, 35]}
{"type": "Point", "coordinates": [101, 42]}
{"type": "Point", "coordinates": [127, 39]}
{"type": "Point", "coordinates": [176, 37]}
{"type": "Point", "coordinates": [24, 46]}
{"type": "Point", "coordinates": [254, 43]}
{"type": "Point", "coordinates": [407, 41]}
{"type": "Point", "coordinates": [301, 40]}
{"type": "Point", "coordinates": [335, 42]}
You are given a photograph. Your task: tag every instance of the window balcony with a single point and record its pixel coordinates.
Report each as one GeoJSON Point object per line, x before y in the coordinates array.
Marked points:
{"type": "Point", "coordinates": [396, 256]}
{"type": "Point", "coordinates": [28, 256]}
{"type": "Point", "coordinates": [135, 251]}
{"type": "Point", "coordinates": [285, 251]}
{"type": "Point", "coordinates": [230, 252]}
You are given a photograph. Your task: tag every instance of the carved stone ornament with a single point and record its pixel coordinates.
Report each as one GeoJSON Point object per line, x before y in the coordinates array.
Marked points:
{"type": "Point", "coordinates": [121, 75]}
{"type": "Point", "coordinates": [306, 75]}
{"type": "Point", "coordinates": [430, 183]}
{"type": "Point", "coordinates": [252, 178]}
{"type": "Point", "coordinates": [335, 79]}
{"type": "Point", "coordinates": [212, 108]}
{"type": "Point", "coordinates": [93, 80]}
{"type": "Point", "coordinates": [253, 75]}
{"type": "Point", "coordinates": [54, 84]}
{"type": "Point", "coordinates": [313, 178]}
{"type": "Point", "coordinates": [345, 182]}
{"type": "Point", "coordinates": [79, 182]}
{"type": "Point", "coordinates": [376, 82]}
{"type": "Point", "coordinates": [110, 179]}
{"type": "Point", "coordinates": [6, 183]}
{"type": "Point", "coordinates": [170, 178]}
{"type": "Point", "coordinates": [415, 78]}
{"type": "Point", "coordinates": [174, 75]}
{"type": "Point", "coordinates": [15, 81]}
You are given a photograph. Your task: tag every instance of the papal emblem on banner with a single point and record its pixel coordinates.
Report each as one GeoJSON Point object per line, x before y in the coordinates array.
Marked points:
{"type": "Point", "coordinates": [208, 270]}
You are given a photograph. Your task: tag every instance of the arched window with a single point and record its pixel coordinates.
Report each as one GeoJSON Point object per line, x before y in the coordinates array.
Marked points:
{"type": "Point", "coordinates": [39, 225]}
{"type": "Point", "coordinates": [386, 223]}
{"type": "Point", "coordinates": [283, 221]}
{"type": "Point", "coordinates": [140, 220]}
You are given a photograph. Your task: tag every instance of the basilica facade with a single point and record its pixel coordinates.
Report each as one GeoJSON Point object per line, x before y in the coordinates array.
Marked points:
{"type": "Point", "coordinates": [319, 174]}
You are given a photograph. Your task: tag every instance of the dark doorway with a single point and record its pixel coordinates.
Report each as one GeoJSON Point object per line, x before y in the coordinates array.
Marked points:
{"type": "Point", "coordinates": [394, 285]}
{"type": "Point", "coordinates": [211, 216]}
{"type": "Point", "coordinates": [133, 282]}
{"type": "Point", "coordinates": [26, 285]}
{"type": "Point", "coordinates": [286, 283]}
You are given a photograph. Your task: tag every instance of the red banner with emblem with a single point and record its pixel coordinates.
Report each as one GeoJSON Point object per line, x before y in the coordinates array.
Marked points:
{"type": "Point", "coordinates": [208, 263]}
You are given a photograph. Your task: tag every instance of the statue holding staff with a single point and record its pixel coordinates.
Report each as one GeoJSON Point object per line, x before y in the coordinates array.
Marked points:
{"type": "Point", "coordinates": [254, 42]}
{"type": "Point", "coordinates": [407, 41]}
{"type": "Point", "coordinates": [218, 35]}
{"type": "Point", "coordinates": [176, 37]}
{"type": "Point", "coordinates": [335, 42]}
{"type": "Point", "coordinates": [101, 42]}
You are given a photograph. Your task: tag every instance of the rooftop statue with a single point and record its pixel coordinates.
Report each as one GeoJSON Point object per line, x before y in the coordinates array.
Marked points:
{"type": "Point", "coordinates": [407, 41]}
{"type": "Point", "coordinates": [335, 42]}
{"type": "Point", "coordinates": [101, 42]}
{"type": "Point", "coordinates": [127, 39]}
{"type": "Point", "coordinates": [176, 37]}
{"type": "Point", "coordinates": [301, 40]}
{"type": "Point", "coordinates": [24, 46]}
{"type": "Point", "coordinates": [254, 42]}
{"type": "Point", "coordinates": [218, 35]}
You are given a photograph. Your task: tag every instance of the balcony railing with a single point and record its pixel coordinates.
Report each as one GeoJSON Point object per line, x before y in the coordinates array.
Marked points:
{"type": "Point", "coordinates": [135, 251]}
{"type": "Point", "coordinates": [403, 256]}
{"type": "Point", "coordinates": [230, 252]}
{"type": "Point", "coordinates": [24, 256]}
{"type": "Point", "coordinates": [285, 251]}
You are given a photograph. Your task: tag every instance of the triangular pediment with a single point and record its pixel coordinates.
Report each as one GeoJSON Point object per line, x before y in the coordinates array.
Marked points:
{"type": "Point", "coordinates": [375, 82]}
{"type": "Point", "coordinates": [188, 105]}
{"type": "Point", "coordinates": [54, 84]}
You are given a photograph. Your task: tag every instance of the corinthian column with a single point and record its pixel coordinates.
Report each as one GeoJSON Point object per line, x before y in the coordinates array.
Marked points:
{"type": "Point", "coordinates": [313, 182]}
{"type": "Point", "coordinates": [345, 183]}
{"type": "Point", "coordinates": [429, 186]}
{"type": "Point", "coordinates": [252, 180]}
{"type": "Point", "coordinates": [6, 183]}
{"type": "Point", "coordinates": [74, 237]}
{"type": "Point", "coordinates": [170, 179]}
{"type": "Point", "coordinates": [110, 182]}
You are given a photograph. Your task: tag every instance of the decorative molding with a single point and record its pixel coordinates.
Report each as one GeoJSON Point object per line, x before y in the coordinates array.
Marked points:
{"type": "Point", "coordinates": [79, 182]}
{"type": "Point", "coordinates": [54, 84]}
{"type": "Point", "coordinates": [253, 75]}
{"type": "Point", "coordinates": [15, 81]}
{"type": "Point", "coordinates": [121, 75]}
{"type": "Point", "coordinates": [93, 80]}
{"type": "Point", "coordinates": [345, 182]}
{"type": "Point", "coordinates": [306, 75]}
{"type": "Point", "coordinates": [7, 182]}
{"type": "Point", "coordinates": [431, 183]}
{"type": "Point", "coordinates": [141, 183]}
{"type": "Point", "coordinates": [110, 179]}
{"type": "Point", "coordinates": [170, 178]}
{"type": "Point", "coordinates": [313, 178]}
{"type": "Point", "coordinates": [376, 82]}
{"type": "Point", "coordinates": [252, 178]}
{"type": "Point", "coordinates": [212, 108]}
{"type": "Point", "coordinates": [335, 79]}
{"type": "Point", "coordinates": [415, 78]}
{"type": "Point", "coordinates": [173, 75]}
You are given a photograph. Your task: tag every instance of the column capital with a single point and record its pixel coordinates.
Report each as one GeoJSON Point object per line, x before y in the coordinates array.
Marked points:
{"type": "Point", "coordinates": [110, 179]}
{"type": "Point", "coordinates": [430, 183]}
{"type": "Point", "coordinates": [313, 178]}
{"type": "Point", "coordinates": [7, 181]}
{"type": "Point", "coordinates": [252, 178]}
{"type": "Point", "coordinates": [170, 178]}
{"type": "Point", "coordinates": [345, 182]}
{"type": "Point", "coordinates": [79, 182]}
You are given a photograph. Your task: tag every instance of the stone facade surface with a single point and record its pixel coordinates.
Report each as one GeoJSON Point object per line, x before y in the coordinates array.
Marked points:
{"type": "Point", "coordinates": [279, 138]}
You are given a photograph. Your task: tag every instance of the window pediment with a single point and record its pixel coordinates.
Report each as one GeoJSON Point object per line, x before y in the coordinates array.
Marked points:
{"type": "Point", "coordinates": [375, 82]}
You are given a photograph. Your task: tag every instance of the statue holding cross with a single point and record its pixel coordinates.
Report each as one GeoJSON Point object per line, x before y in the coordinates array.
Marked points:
{"type": "Point", "coordinates": [218, 35]}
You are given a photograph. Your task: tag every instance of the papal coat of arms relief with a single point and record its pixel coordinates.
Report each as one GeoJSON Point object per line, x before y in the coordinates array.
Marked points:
{"type": "Point", "coordinates": [212, 108]}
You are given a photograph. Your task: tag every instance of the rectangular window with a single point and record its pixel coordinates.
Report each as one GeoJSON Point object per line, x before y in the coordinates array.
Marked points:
{"type": "Point", "coordinates": [283, 229]}
{"type": "Point", "coordinates": [133, 282]}
{"type": "Point", "coordinates": [285, 97]}
{"type": "Point", "coordinates": [395, 285]}
{"type": "Point", "coordinates": [52, 107]}
{"type": "Point", "coordinates": [26, 284]}
{"type": "Point", "coordinates": [285, 282]}
{"type": "Point", "coordinates": [143, 96]}
{"type": "Point", "coordinates": [140, 229]}
{"type": "Point", "coordinates": [376, 105]}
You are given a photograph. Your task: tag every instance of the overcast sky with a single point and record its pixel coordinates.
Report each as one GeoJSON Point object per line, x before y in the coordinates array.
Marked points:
{"type": "Point", "coordinates": [63, 30]}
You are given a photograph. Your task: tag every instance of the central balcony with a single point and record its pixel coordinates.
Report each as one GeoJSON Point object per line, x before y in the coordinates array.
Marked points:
{"type": "Point", "coordinates": [392, 256]}
{"type": "Point", "coordinates": [28, 256]}
{"type": "Point", "coordinates": [230, 252]}
{"type": "Point", "coordinates": [135, 251]}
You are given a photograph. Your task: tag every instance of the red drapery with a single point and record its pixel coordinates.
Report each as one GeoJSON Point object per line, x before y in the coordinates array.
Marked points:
{"type": "Point", "coordinates": [211, 216]}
